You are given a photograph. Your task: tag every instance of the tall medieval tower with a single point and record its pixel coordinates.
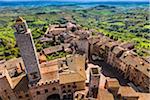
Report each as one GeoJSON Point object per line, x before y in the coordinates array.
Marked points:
{"type": "Point", "coordinates": [28, 51]}
{"type": "Point", "coordinates": [94, 81]}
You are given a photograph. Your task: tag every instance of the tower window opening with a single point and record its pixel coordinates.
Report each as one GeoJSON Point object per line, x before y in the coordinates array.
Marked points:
{"type": "Point", "coordinates": [38, 93]}
{"type": "Point", "coordinates": [46, 90]}
{"type": "Point", "coordinates": [54, 88]}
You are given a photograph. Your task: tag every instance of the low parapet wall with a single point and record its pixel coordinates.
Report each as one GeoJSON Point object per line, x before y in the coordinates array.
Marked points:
{"type": "Point", "coordinates": [44, 83]}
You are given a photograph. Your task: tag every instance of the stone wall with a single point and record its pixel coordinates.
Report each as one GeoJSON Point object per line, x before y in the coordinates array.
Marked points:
{"type": "Point", "coordinates": [28, 53]}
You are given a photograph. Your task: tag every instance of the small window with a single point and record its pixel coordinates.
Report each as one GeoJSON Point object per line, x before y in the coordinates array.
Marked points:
{"type": "Point", "coordinates": [69, 86]}
{"type": "Point", "coordinates": [69, 90]}
{"type": "Point", "coordinates": [77, 96]}
{"type": "Point", "coordinates": [64, 86]}
{"type": "Point", "coordinates": [54, 88]}
{"type": "Point", "coordinates": [64, 91]}
{"type": "Point", "coordinates": [5, 91]}
{"type": "Point", "coordinates": [64, 97]}
{"type": "Point", "coordinates": [46, 90]}
{"type": "Point", "coordinates": [27, 95]}
{"type": "Point", "coordinates": [38, 93]}
{"type": "Point", "coordinates": [140, 82]}
{"type": "Point", "coordinates": [82, 96]}
{"type": "Point", "coordinates": [34, 77]}
{"type": "Point", "coordinates": [74, 86]}
{"type": "Point", "coordinates": [70, 96]}
{"type": "Point", "coordinates": [20, 96]}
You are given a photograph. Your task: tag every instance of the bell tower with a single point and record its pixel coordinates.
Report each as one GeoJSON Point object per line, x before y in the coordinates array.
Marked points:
{"type": "Point", "coordinates": [27, 49]}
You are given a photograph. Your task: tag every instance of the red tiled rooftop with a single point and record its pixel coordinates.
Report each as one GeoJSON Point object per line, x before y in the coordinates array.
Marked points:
{"type": "Point", "coordinates": [127, 91]}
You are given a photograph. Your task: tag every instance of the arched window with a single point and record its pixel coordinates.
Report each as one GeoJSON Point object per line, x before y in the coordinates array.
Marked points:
{"type": "Point", "coordinates": [46, 90]}
{"type": "Point", "coordinates": [64, 91]}
{"type": "Point", "coordinates": [5, 90]}
{"type": "Point", "coordinates": [69, 86]}
{"type": "Point", "coordinates": [38, 93]}
{"type": "Point", "coordinates": [74, 86]}
{"type": "Point", "coordinates": [70, 96]}
{"type": "Point", "coordinates": [69, 90]}
{"type": "Point", "coordinates": [8, 97]}
{"type": "Point", "coordinates": [63, 86]}
{"type": "Point", "coordinates": [54, 97]}
{"type": "Point", "coordinates": [65, 97]}
{"type": "Point", "coordinates": [54, 88]}
{"type": "Point", "coordinates": [20, 97]}
{"type": "Point", "coordinates": [27, 95]}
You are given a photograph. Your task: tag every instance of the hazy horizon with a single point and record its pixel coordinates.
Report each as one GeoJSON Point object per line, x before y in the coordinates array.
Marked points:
{"type": "Point", "coordinates": [80, 0]}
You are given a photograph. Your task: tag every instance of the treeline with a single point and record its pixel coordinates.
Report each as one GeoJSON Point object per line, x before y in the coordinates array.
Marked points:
{"type": "Point", "coordinates": [119, 23]}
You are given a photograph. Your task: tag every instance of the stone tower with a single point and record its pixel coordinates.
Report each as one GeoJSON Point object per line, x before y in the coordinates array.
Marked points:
{"type": "Point", "coordinates": [94, 81]}
{"type": "Point", "coordinates": [28, 51]}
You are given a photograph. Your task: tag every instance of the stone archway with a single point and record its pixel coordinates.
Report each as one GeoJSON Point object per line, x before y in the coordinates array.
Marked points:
{"type": "Point", "coordinates": [53, 97]}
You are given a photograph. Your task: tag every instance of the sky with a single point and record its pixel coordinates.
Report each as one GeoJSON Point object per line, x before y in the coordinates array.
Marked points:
{"type": "Point", "coordinates": [75, 0]}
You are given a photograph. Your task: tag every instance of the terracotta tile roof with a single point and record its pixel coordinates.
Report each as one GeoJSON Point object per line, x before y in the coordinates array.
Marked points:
{"type": "Point", "coordinates": [47, 77]}
{"type": "Point", "coordinates": [2, 67]}
{"type": "Point", "coordinates": [70, 77]}
{"type": "Point", "coordinates": [69, 24]}
{"type": "Point", "coordinates": [112, 83]}
{"type": "Point", "coordinates": [55, 48]}
{"type": "Point", "coordinates": [117, 50]}
{"type": "Point", "coordinates": [128, 45]}
{"type": "Point", "coordinates": [111, 44]}
{"type": "Point", "coordinates": [127, 91]}
{"type": "Point", "coordinates": [45, 39]}
{"type": "Point", "coordinates": [147, 59]}
{"type": "Point", "coordinates": [22, 85]}
{"type": "Point", "coordinates": [144, 96]}
{"type": "Point", "coordinates": [145, 69]}
{"type": "Point", "coordinates": [49, 67]}
{"type": "Point", "coordinates": [58, 29]}
{"type": "Point", "coordinates": [75, 71]}
{"type": "Point", "coordinates": [127, 58]}
{"type": "Point", "coordinates": [105, 95]}
{"type": "Point", "coordinates": [16, 80]}
{"type": "Point", "coordinates": [94, 39]}
{"type": "Point", "coordinates": [42, 58]}
{"type": "Point", "coordinates": [49, 71]}
{"type": "Point", "coordinates": [12, 63]}
{"type": "Point", "coordinates": [52, 49]}
{"type": "Point", "coordinates": [2, 61]}
{"type": "Point", "coordinates": [137, 62]}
